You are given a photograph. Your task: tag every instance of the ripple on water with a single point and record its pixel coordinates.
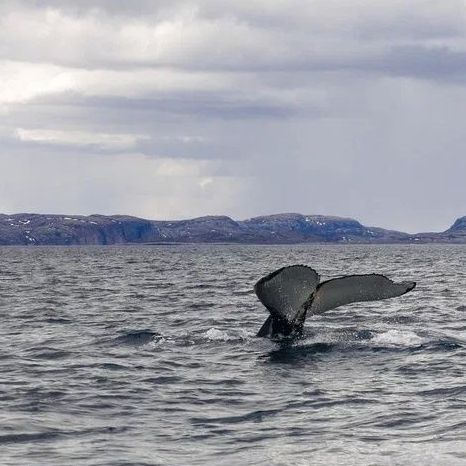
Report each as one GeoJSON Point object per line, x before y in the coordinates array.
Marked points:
{"type": "Point", "coordinates": [127, 356]}
{"type": "Point", "coordinates": [137, 337]}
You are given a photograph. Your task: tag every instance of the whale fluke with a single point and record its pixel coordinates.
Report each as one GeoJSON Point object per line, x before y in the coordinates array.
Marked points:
{"type": "Point", "coordinates": [291, 292]}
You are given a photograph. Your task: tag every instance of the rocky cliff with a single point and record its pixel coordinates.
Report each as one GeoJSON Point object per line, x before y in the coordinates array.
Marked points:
{"type": "Point", "coordinates": [66, 230]}
{"type": "Point", "coordinates": [297, 228]}
{"type": "Point", "coordinates": [36, 229]}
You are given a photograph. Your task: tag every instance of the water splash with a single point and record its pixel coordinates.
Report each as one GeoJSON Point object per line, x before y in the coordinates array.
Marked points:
{"type": "Point", "coordinates": [395, 337]}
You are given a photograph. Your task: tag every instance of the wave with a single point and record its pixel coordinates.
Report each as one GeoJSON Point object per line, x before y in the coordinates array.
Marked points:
{"type": "Point", "coordinates": [137, 337]}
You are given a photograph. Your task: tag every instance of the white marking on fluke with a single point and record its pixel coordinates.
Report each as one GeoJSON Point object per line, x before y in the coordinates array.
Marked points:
{"type": "Point", "coordinates": [290, 293]}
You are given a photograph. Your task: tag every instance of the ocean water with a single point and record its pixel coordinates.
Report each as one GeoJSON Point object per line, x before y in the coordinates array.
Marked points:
{"type": "Point", "coordinates": [147, 355]}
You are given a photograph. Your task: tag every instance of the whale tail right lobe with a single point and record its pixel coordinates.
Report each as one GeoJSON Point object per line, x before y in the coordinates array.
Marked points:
{"type": "Point", "coordinates": [355, 289]}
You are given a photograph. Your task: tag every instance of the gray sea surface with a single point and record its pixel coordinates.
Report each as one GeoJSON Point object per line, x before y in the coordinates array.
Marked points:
{"type": "Point", "coordinates": [147, 355]}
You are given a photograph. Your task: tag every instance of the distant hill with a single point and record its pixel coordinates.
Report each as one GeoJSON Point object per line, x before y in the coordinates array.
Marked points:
{"type": "Point", "coordinates": [38, 229]}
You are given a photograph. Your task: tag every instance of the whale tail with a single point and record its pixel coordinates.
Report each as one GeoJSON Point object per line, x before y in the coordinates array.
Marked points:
{"type": "Point", "coordinates": [291, 292]}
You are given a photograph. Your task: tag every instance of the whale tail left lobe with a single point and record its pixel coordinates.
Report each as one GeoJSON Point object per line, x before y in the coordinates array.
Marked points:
{"type": "Point", "coordinates": [285, 293]}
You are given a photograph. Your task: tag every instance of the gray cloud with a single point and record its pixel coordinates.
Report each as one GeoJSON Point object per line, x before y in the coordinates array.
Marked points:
{"type": "Point", "coordinates": [183, 108]}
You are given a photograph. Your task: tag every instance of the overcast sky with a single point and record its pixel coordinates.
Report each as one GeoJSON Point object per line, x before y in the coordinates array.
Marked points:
{"type": "Point", "coordinates": [170, 109]}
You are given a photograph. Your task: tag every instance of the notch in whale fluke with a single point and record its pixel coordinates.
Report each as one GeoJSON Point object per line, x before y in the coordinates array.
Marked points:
{"type": "Point", "coordinates": [290, 293]}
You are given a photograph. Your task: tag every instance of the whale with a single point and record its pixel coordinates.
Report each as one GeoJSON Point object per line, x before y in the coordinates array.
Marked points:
{"type": "Point", "coordinates": [293, 292]}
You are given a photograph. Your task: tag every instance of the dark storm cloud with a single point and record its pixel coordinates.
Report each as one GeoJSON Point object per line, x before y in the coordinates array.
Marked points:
{"type": "Point", "coordinates": [257, 36]}
{"type": "Point", "coordinates": [426, 62]}
{"type": "Point", "coordinates": [202, 105]}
